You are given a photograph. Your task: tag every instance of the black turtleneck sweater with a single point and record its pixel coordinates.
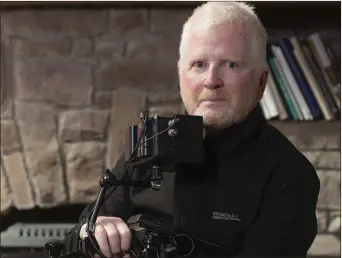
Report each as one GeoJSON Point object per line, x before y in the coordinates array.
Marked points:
{"type": "Point", "coordinates": [255, 195]}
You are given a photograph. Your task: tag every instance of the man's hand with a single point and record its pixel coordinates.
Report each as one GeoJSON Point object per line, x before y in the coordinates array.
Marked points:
{"type": "Point", "coordinates": [112, 235]}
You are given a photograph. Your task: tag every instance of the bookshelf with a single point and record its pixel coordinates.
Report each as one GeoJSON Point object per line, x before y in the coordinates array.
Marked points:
{"type": "Point", "coordinates": [304, 58]}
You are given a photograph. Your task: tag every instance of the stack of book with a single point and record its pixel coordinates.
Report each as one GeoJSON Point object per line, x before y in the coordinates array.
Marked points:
{"type": "Point", "coordinates": [304, 80]}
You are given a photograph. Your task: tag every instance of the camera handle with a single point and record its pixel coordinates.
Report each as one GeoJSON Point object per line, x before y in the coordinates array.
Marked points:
{"type": "Point", "coordinates": [154, 245]}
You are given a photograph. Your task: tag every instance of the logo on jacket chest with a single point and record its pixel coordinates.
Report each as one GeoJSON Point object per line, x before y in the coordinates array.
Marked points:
{"type": "Point", "coordinates": [225, 216]}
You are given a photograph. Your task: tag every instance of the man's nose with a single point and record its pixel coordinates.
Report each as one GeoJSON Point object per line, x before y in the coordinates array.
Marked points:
{"type": "Point", "coordinates": [213, 79]}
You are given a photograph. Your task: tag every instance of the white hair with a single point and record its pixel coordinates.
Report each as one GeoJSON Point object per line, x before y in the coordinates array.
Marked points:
{"type": "Point", "coordinates": [216, 13]}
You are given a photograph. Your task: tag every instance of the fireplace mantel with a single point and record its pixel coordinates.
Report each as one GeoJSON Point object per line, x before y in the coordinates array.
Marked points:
{"type": "Point", "coordinates": [95, 4]}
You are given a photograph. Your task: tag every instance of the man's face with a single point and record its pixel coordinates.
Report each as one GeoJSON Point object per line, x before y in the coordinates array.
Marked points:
{"type": "Point", "coordinates": [218, 79]}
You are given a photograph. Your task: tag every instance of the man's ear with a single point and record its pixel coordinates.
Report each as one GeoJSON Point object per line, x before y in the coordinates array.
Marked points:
{"type": "Point", "coordinates": [262, 83]}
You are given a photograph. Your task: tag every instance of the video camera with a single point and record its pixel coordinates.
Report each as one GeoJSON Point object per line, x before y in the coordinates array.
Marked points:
{"type": "Point", "coordinates": [153, 144]}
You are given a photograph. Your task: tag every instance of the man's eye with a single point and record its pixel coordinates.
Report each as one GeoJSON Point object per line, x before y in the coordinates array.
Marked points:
{"type": "Point", "coordinates": [231, 65]}
{"type": "Point", "coordinates": [198, 64]}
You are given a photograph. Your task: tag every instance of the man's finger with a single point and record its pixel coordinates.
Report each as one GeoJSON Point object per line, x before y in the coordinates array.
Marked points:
{"type": "Point", "coordinates": [101, 238]}
{"type": "Point", "coordinates": [125, 236]}
{"type": "Point", "coordinates": [127, 255]}
{"type": "Point", "coordinates": [114, 239]}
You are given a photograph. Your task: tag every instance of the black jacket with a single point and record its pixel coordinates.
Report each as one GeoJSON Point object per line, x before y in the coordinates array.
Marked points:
{"type": "Point", "coordinates": [255, 195]}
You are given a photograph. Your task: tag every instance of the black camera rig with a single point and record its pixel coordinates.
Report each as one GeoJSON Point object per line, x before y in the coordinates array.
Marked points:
{"type": "Point", "coordinates": [153, 144]}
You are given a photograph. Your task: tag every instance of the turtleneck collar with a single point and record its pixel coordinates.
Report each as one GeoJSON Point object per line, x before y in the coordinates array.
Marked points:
{"type": "Point", "coordinates": [230, 139]}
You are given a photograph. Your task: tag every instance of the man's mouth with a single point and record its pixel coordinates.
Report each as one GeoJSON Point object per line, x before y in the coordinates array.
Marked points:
{"type": "Point", "coordinates": [212, 101]}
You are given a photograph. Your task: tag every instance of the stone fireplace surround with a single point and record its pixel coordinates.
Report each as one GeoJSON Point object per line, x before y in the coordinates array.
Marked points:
{"type": "Point", "coordinates": [72, 80]}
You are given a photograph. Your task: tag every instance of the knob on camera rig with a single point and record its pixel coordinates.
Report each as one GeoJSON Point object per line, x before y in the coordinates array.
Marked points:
{"type": "Point", "coordinates": [153, 144]}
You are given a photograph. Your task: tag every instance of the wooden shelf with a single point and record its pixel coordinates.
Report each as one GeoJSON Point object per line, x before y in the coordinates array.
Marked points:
{"type": "Point", "coordinates": [319, 127]}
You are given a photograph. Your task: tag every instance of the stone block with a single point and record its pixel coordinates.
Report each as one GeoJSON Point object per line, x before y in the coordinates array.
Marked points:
{"type": "Point", "coordinates": [325, 245]}
{"type": "Point", "coordinates": [324, 159]}
{"type": "Point", "coordinates": [112, 48]}
{"type": "Point", "coordinates": [6, 109]}
{"type": "Point", "coordinates": [126, 109]}
{"type": "Point", "coordinates": [6, 83]}
{"type": "Point", "coordinates": [323, 135]}
{"type": "Point", "coordinates": [322, 221]}
{"type": "Point", "coordinates": [37, 123]}
{"type": "Point", "coordinates": [38, 128]}
{"type": "Point", "coordinates": [82, 48]}
{"type": "Point", "coordinates": [44, 23]}
{"type": "Point", "coordinates": [18, 180]}
{"type": "Point", "coordinates": [26, 48]}
{"type": "Point", "coordinates": [168, 21]}
{"type": "Point", "coordinates": [103, 99]}
{"type": "Point", "coordinates": [330, 190]}
{"type": "Point", "coordinates": [83, 125]}
{"type": "Point", "coordinates": [140, 74]}
{"type": "Point", "coordinates": [153, 47]}
{"type": "Point", "coordinates": [45, 166]}
{"type": "Point", "coordinates": [127, 22]}
{"type": "Point", "coordinates": [159, 97]}
{"type": "Point", "coordinates": [85, 167]}
{"type": "Point", "coordinates": [57, 81]}
{"type": "Point", "coordinates": [316, 142]}
{"type": "Point", "coordinates": [334, 221]}
{"type": "Point", "coordinates": [9, 136]}
{"type": "Point", "coordinates": [164, 109]}
{"type": "Point", "coordinates": [6, 195]}
{"type": "Point", "coordinates": [182, 109]}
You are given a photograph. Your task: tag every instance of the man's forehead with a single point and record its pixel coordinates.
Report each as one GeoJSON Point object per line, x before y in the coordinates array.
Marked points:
{"type": "Point", "coordinates": [217, 40]}
{"type": "Point", "coordinates": [225, 30]}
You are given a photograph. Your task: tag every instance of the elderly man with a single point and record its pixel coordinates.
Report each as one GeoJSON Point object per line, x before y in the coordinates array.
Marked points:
{"type": "Point", "coordinates": [255, 194]}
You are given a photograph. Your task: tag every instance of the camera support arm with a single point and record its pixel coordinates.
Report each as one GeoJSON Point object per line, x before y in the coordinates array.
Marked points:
{"type": "Point", "coordinates": [107, 181]}
{"type": "Point", "coordinates": [159, 241]}
{"type": "Point", "coordinates": [156, 142]}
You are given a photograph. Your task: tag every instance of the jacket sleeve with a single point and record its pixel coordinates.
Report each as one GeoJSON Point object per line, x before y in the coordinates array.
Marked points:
{"type": "Point", "coordinates": [116, 203]}
{"type": "Point", "coordinates": [286, 225]}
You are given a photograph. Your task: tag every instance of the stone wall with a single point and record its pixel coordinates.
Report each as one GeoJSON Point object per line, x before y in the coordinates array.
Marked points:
{"type": "Point", "coordinates": [73, 80]}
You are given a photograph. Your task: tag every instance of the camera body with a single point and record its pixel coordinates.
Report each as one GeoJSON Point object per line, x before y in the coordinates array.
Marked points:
{"type": "Point", "coordinates": [166, 141]}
